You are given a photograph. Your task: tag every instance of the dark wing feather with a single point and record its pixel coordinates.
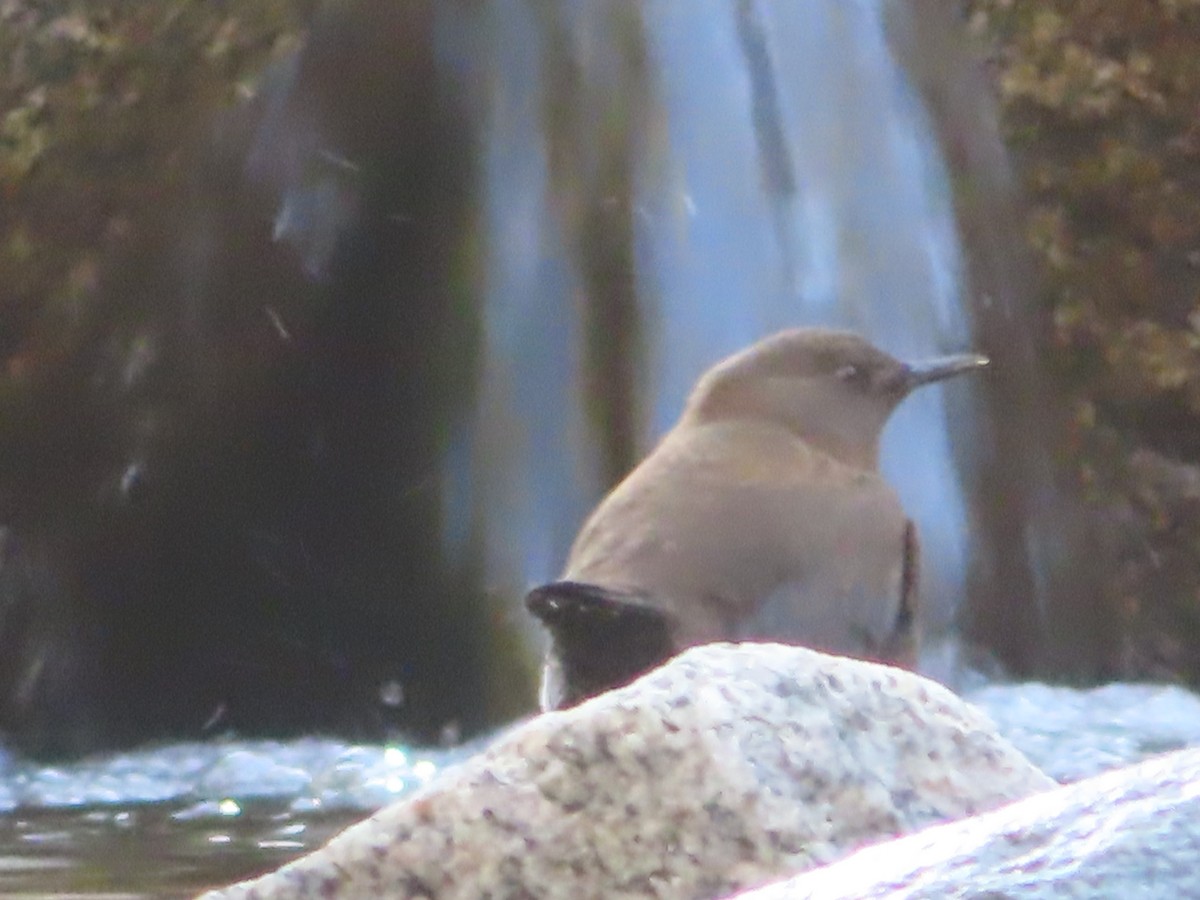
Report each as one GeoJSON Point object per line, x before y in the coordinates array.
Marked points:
{"type": "Point", "coordinates": [902, 642]}
{"type": "Point", "coordinates": [600, 638]}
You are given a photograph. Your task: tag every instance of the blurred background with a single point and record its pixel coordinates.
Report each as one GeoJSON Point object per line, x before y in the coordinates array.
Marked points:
{"type": "Point", "coordinates": [324, 324]}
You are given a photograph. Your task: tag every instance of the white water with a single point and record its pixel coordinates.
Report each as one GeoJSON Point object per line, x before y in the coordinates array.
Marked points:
{"type": "Point", "coordinates": [1069, 733]}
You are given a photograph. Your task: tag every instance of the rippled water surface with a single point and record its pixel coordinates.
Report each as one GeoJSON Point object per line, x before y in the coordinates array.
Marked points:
{"type": "Point", "coordinates": [173, 820]}
{"type": "Point", "coordinates": [151, 850]}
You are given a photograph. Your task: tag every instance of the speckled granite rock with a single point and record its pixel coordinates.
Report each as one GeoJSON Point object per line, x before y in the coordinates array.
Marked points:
{"type": "Point", "coordinates": [729, 767]}
{"type": "Point", "coordinates": [1133, 833]}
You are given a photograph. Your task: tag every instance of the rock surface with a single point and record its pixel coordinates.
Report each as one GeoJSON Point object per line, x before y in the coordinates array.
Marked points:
{"type": "Point", "coordinates": [730, 767]}
{"type": "Point", "coordinates": [1133, 833]}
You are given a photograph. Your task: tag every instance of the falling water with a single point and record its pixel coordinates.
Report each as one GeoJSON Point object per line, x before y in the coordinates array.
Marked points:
{"type": "Point", "coordinates": [785, 172]}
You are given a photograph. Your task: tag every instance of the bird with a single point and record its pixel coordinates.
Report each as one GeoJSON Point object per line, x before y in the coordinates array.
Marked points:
{"type": "Point", "coordinates": [760, 515]}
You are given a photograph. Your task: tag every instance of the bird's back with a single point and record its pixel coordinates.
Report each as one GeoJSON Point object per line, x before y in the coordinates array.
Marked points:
{"type": "Point", "coordinates": [737, 529]}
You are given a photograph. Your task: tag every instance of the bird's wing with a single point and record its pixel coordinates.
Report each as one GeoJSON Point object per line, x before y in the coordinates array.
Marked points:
{"type": "Point", "coordinates": [601, 638]}
{"type": "Point", "coordinates": [901, 645]}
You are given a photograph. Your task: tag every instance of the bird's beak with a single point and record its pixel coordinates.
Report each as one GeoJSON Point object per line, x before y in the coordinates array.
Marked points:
{"type": "Point", "coordinates": [930, 370]}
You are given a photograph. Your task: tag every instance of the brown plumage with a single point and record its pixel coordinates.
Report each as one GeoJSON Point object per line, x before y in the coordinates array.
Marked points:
{"type": "Point", "coordinates": [760, 515]}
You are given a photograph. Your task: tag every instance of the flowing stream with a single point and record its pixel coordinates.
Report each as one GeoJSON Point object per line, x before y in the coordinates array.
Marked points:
{"type": "Point", "coordinates": [171, 821]}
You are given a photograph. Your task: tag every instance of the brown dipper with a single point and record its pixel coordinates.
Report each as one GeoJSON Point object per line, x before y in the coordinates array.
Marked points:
{"type": "Point", "coordinates": [760, 516]}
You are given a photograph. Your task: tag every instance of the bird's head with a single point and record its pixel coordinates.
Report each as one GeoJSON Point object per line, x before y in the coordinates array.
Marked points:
{"type": "Point", "coordinates": [832, 388]}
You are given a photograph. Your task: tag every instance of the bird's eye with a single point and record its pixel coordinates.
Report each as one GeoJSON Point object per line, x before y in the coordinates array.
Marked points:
{"type": "Point", "coordinates": [851, 374]}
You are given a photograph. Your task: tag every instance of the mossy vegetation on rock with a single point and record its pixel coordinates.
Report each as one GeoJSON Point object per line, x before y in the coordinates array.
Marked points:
{"type": "Point", "coordinates": [1100, 103]}
{"type": "Point", "coordinates": [229, 362]}
{"type": "Point", "coordinates": [99, 103]}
